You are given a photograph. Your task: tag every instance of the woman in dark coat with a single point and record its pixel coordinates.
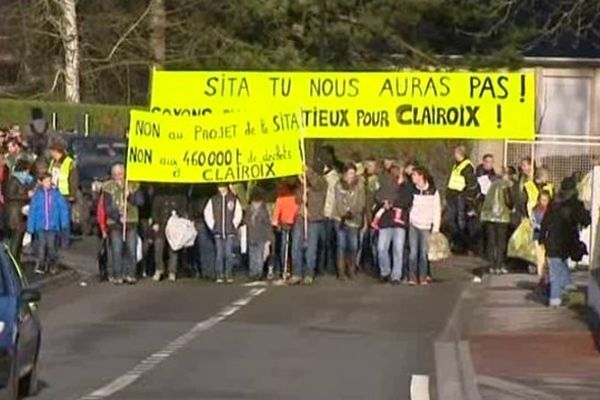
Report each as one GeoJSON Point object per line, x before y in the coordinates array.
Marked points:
{"type": "Point", "coordinates": [18, 193]}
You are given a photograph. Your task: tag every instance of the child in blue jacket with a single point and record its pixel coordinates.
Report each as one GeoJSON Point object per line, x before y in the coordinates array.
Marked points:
{"type": "Point", "coordinates": [49, 214]}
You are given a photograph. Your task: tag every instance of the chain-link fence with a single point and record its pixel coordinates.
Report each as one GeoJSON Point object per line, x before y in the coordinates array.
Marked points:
{"type": "Point", "coordinates": [562, 158]}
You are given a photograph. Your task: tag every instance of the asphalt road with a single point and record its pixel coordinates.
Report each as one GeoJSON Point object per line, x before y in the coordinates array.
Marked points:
{"type": "Point", "coordinates": [192, 340]}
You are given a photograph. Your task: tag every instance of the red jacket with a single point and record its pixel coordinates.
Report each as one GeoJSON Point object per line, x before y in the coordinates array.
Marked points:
{"type": "Point", "coordinates": [102, 215]}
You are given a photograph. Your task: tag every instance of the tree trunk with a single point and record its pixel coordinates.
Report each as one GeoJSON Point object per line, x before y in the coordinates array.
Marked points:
{"type": "Point", "coordinates": [70, 39]}
{"type": "Point", "coordinates": [25, 48]}
{"type": "Point", "coordinates": [158, 23]}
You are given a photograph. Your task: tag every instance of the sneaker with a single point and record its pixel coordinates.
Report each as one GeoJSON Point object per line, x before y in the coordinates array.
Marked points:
{"type": "Point", "coordinates": [295, 280]}
{"type": "Point", "coordinates": [308, 280]}
{"type": "Point", "coordinates": [118, 282]}
{"type": "Point", "coordinates": [396, 282]}
{"type": "Point", "coordinates": [172, 276]}
{"type": "Point", "coordinates": [384, 279]}
{"type": "Point", "coordinates": [476, 279]}
{"type": "Point", "coordinates": [412, 282]}
{"type": "Point", "coordinates": [220, 281]}
{"type": "Point", "coordinates": [429, 279]}
{"type": "Point", "coordinates": [39, 271]}
{"type": "Point", "coordinates": [503, 271]}
{"type": "Point", "coordinates": [130, 280]}
{"type": "Point", "coordinates": [229, 280]}
{"type": "Point", "coordinates": [424, 282]}
{"type": "Point", "coordinates": [111, 280]}
{"type": "Point", "coordinates": [157, 276]}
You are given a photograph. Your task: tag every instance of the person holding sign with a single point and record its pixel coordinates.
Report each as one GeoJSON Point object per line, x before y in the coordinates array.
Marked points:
{"type": "Point", "coordinates": [121, 204]}
{"type": "Point", "coordinates": [461, 193]}
{"type": "Point", "coordinates": [308, 226]}
{"type": "Point", "coordinates": [223, 216]}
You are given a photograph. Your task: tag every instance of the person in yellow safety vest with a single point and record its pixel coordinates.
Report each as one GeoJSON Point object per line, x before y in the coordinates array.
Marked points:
{"type": "Point", "coordinates": [460, 199]}
{"type": "Point", "coordinates": [533, 188]}
{"type": "Point", "coordinates": [62, 168]}
{"type": "Point", "coordinates": [65, 177]}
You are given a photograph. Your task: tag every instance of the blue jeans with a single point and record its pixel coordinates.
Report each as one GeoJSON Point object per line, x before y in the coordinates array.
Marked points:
{"type": "Point", "coordinates": [47, 247]}
{"type": "Point", "coordinates": [300, 266]}
{"type": "Point", "coordinates": [560, 278]}
{"type": "Point", "coordinates": [347, 241]}
{"type": "Point", "coordinates": [225, 257]}
{"type": "Point", "coordinates": [123, 254]}
{"type": "Point", "coordinates": [419, 249]}
{"type": "Point", "coordinates": [256, 259]}
{"type": "Point", "coordinates": [395, 237]}
{"type": "Point", "coordinates": [456, 220]}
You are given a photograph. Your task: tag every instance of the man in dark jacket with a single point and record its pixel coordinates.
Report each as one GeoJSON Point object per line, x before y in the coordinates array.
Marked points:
{"type": "Point", "coordinates": [559, 234]}
{"type": "Point", "coordinates": [223, 215]}
{"type": "Point", "coordinates": [460, 198]}
{"type": "Point", "coordinates": [167, 199]}
{"type": "Point", "coordinates": [308, 226]}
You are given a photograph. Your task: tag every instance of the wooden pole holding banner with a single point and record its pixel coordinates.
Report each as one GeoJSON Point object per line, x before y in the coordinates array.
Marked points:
{"type": "Point", "coordinates": [304, 179]}
{"type": "Point", "coordinates": [125, 190]}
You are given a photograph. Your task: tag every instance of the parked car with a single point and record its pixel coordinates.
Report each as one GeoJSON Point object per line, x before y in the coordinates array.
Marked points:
{"type": "Point", "coordinates": [20, 331]}
{"type": "Point", "coordinates": [95, 155]}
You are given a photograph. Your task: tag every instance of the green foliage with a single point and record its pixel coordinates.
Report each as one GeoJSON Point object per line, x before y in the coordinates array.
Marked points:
{"type": "Point", "coordinates": [106, 120]}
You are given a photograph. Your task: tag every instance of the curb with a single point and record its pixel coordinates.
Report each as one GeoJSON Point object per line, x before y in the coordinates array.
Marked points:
{"type": "Point", "coordinates": [455, 374]}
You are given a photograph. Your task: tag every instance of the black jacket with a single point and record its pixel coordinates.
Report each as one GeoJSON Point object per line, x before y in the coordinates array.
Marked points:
{"type": "Point", "coordinates": [165, 200]}
{"type": "Point", "coordinates": [561, 225]}
{"type": "Point", "coordinates": [401, 199]}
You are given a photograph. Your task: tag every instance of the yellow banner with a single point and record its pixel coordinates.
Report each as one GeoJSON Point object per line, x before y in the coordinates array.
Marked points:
{"type": "Point", "coordinates": [465, 105]}
{"type": "Point", "coordinates": [231, 148]}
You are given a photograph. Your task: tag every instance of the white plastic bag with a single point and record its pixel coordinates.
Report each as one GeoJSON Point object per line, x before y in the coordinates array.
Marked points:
{"type": "Point", "coordinates": [439, 247]}
{"type": "Point", "coordinates": [180, 232]}
{"type": "Point", "coordinates": [139, 250]}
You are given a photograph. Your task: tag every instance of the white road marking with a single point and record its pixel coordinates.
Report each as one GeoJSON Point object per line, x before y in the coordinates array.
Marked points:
{"type": "Point", "coordinates": [153, 360]}
{"type": "Point", "coordinates": [419, 387]}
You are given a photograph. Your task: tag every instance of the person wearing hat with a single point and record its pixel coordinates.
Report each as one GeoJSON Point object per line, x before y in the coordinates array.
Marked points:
{"type": "Point", "coordinates": [559, 234]}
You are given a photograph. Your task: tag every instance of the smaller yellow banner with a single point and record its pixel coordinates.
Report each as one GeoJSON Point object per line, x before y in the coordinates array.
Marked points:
{"type": "Point", "coordinates": [226, 148]}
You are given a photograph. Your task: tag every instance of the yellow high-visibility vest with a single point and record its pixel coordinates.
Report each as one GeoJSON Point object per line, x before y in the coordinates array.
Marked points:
{"type": "Point", "coordinates": [63, 178]}
{"type": "Point", "coordinates": [533, 194]}
{"type": "Point", "coordinates": [457, 180]}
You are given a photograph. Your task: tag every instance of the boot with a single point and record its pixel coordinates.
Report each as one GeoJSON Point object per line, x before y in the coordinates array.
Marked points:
{"type": "Point", "coordinates": [350, 267]}
{"type": "Point", "coordinates": [341, 269]}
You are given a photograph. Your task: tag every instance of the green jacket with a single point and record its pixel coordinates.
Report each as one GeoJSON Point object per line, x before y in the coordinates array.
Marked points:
{"type": "Point", "coordinates": [498, 203]}
{"type": "Point", "coordinates": [116, 200]}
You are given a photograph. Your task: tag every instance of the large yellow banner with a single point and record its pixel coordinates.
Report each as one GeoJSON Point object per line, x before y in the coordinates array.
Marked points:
{"type": "Point", "coordinates": [465, 105]}
{"type": "Point", "coordinates": [226, 148]}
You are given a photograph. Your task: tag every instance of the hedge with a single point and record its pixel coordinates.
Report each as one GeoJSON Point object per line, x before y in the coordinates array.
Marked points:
{"type": "Point", "coordinates": [104, 119]}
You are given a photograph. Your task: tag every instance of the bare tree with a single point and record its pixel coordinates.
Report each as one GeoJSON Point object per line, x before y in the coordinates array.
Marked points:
{"type": "Point", "coordinates": [158, 22]}
{"type": "Point", "coordinates": [69, 33]}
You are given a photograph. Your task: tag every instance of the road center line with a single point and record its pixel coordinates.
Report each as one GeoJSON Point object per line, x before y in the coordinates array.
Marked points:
{"type": "Point", "coordinates": [419, 387]}
{"type": "Point", "coordinates": [153, 360]}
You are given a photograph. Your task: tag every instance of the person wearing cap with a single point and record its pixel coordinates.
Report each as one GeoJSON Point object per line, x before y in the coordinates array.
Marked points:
{"type": "Point", "coordinates": [559, 234]}
{"type": "Point", "coordinates": [37, 132]}
{"type": "Point", "coordinates": [461, 193]}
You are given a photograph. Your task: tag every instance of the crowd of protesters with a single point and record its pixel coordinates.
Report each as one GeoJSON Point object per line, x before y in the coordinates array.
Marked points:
{"type": "Point", "coordinates": [336, 218]}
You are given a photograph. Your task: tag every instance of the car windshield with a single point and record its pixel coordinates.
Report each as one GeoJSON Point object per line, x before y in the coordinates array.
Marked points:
{"type": "Point", "coordinates": [88, 148]}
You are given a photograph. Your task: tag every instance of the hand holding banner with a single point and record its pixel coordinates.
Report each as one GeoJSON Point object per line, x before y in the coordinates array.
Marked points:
{"type": "Point", "coordinates": [224, 148]}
